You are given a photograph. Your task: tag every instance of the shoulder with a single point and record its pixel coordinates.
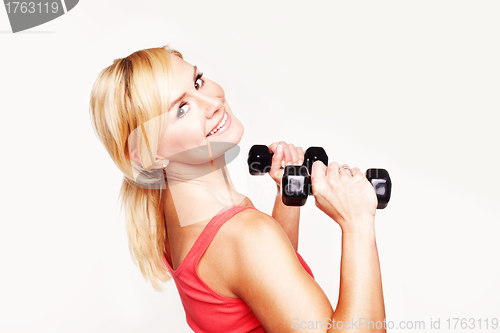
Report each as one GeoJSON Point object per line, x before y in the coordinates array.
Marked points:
{"type": "Point", "coordinates": [237, 245]}
{"type": "Point", "coordinates": [253, 234]}
{"type": "Point", "coordinates": [255, 241]}
{"type": "Point", "coordinates": [263, 269]}
{"type": "Point", "coordinates": [249, 235]}
{"type": "Point", "coordinates": [251, 225]}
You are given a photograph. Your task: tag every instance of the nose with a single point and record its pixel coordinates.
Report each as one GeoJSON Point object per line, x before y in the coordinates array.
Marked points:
{"type": "Point", "coordinates": [210, 104]}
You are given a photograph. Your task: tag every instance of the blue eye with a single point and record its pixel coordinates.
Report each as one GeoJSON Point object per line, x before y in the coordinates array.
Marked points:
{"type": "Point", "coordinates": [182, 110]}
{"type": "Point", "coordinates": [184, 107]}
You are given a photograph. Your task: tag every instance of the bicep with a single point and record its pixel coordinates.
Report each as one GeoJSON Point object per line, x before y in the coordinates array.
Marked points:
{"type": "Point", "coordinates": [273, 283]}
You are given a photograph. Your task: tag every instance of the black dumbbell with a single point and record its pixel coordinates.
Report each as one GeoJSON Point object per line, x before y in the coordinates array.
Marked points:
{"type": "Point", "coordinates": [259, 158]}
{"type": "Point", "coordinates": [259, 163]}
{"type": "Point", "coordinates": [296, 185]}
{"type": "Point", "coordinates": [296, 182]}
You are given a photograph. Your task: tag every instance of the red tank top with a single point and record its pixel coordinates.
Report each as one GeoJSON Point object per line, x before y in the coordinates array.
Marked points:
{"type": "Point", "coordinates": [206, 310]}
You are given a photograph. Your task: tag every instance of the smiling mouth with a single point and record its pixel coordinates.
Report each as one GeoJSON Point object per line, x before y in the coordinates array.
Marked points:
{"type": "Point", "coordinates": [219, 126]}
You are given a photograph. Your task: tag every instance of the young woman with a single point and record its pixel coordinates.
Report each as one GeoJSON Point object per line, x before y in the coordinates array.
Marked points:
{"type": "Point", "coordinates": [167, 128]}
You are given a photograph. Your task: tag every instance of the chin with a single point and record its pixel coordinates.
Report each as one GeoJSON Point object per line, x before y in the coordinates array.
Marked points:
{"type": "Point", "coordinates": [219, 148]}
{"type": "Point", "coordinates": [241, 131]}
{"type": "Point", "coordinates": [233, 134]}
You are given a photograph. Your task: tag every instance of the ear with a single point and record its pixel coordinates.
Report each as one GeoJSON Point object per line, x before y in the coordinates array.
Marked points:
{"type": "Point", "coordinates": [134, 156]}
{"type": "Point", "coordinates": [159, 163]}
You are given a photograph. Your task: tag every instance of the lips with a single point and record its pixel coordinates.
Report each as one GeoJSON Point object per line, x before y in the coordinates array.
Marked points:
{"type": "Point", "coordinates": [224, 120]}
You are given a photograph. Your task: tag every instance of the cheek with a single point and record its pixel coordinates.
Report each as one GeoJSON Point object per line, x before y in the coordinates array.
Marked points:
{"type": "Point", "coordinates": [183, 137]}
{"type": "Point", "coordinates": [194, 130]}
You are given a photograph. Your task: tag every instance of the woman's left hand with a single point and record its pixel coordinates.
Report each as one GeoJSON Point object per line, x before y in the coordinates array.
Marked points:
{"type": "Point", "coordinates": [287, 155]}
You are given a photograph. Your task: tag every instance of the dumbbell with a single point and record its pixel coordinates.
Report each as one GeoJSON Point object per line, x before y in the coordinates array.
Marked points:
{"type": "Point", "coordinates": [296, 181]}
{"type": "Point", "coordinates": [260, 158]}
{"type": "Point", "coordinates": [297, 186]}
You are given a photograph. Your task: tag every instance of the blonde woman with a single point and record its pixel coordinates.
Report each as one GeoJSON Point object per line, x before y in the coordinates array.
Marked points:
{"type": "Point", "coordinates": [167, 128]}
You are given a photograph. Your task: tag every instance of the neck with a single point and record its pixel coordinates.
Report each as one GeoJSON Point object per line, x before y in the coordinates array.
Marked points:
{"type": "Point", "coordinates": [195, 193]}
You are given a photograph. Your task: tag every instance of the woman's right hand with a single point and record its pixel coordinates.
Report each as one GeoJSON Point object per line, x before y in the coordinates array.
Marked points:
{"type": "Point", "coordinates": [348, 199]}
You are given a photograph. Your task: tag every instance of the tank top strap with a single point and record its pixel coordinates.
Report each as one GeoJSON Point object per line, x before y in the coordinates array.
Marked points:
{"type": "Point", "coordinates": [211, 229]}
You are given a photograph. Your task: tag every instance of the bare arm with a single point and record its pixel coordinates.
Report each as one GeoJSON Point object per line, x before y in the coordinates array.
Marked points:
{"type": "Point", "coordinates": [360, 293]}
{"type": "Point", "coordinates": [267, 275]}
{"type": "Point", "coordinates": [349, 199]}
{"type": "Point", "coordinates": [288, 217]}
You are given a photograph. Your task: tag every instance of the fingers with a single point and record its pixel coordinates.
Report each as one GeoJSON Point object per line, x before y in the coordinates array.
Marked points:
{"type": "Point", "coordinates": [285, 155]}
{"type": "Point", "coordinates": [294, 154]}
{"type": "Point", "coordinates": [272, 147]}
{"type": "Point", "coordinates": [333, 169]}
{"type": "Point", "coordinates": [301, 155]}
{"type": "Point", "coordinates": [356, 172]}
{"type": "Point", "coordinates": [318, 173]}
{"type": "Point", "coordinates": [288, 153]}
{"type": "Point", "coordinates": [291, 154]}
{"type": "Point", "coordinates": [345, 173]}
{"type": "Point", "coordinates": [334, 172]}
{"type": "Point", "coordinates": [277, 157]}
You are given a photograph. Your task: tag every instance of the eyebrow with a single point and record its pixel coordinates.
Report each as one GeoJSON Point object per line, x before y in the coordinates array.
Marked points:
{"type": "Point", "coordinates": [184, 94]}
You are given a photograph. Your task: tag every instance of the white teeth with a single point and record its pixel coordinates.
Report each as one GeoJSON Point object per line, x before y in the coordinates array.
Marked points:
{"type": "Point", "coordinates": [222, 123]}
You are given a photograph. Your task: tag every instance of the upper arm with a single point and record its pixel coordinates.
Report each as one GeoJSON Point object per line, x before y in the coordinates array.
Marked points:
{"type": "Point", "coordinates": [270, 279]}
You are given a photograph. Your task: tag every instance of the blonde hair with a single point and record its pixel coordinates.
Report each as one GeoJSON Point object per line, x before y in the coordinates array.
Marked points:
{"type": "Point", "coordinates": [127, 102]}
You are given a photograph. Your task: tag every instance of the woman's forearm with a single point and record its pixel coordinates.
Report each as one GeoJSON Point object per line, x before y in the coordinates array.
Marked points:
{"type": "Point", "coordinates": [360, 298]}
{"type": "Point", "coordinates": [288, 217]}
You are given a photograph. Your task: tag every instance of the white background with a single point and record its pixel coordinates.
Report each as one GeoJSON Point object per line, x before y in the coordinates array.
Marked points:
{"type": "Point", "coordinates": [412, 87]}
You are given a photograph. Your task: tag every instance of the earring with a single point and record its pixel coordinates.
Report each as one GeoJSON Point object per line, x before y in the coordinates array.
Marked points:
{"type": "Point", "coordinates": [164, 165]}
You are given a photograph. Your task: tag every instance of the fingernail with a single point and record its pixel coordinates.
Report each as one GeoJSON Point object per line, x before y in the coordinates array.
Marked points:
{"type": "Point", "coordinates": [279, 149]}
{"type": "Point", "coordinates": [289, 163]}
{"type": "Point", "coordinates": [300, 162]}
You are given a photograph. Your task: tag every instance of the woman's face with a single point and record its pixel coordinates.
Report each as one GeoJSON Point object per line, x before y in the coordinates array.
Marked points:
{"type": "Point", "coordinates": [197, 107]}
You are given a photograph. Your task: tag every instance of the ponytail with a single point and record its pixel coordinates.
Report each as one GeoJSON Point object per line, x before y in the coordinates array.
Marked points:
{"type": "Point", "coordinates": [146, 230]}
{"type": "Point", "coordinates": [133, 93]}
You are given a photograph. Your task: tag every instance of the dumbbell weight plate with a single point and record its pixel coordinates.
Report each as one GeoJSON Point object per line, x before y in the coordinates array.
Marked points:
{"type": "Point", "coordinates": [295, 185]}
{"type": "Point", "coordinates": [313, 154]}
{"type": "Point", "coordinates": [381, 182]}
{"type": "Point", "coordinates": [259, 160]}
